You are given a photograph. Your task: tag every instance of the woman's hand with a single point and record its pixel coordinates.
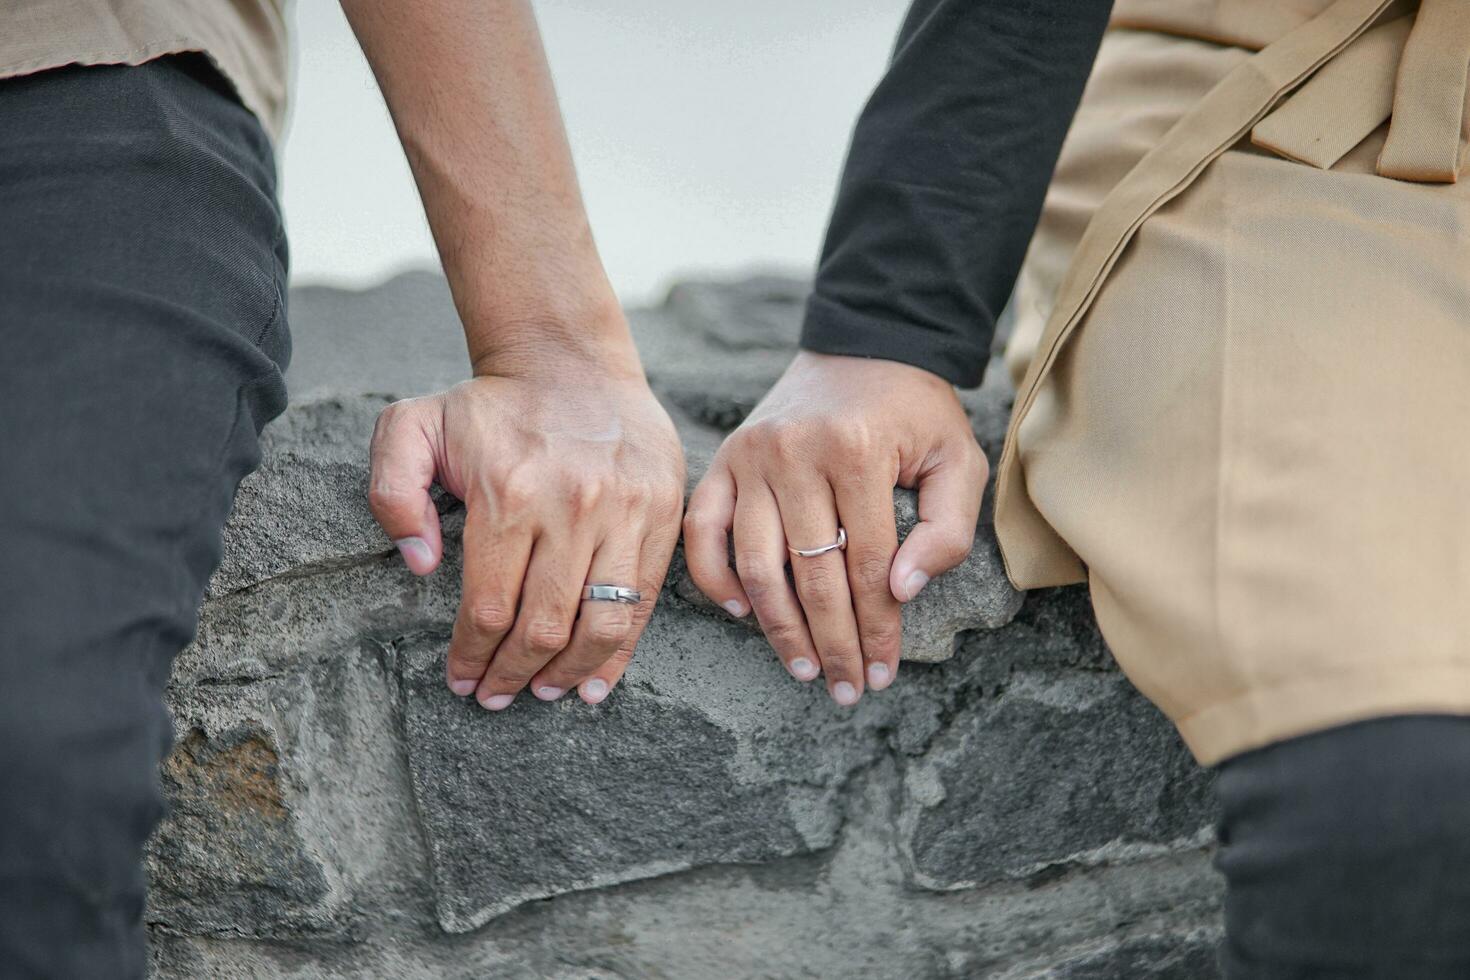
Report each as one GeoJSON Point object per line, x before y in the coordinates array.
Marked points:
{"type": "Point", "coordinates": [571, 474]}
{"type": "Point", "coordinates": [825, 448]}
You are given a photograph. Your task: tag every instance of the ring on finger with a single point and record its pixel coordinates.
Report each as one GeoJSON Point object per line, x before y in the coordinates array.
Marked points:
{"type": "Point", "coordinates": [839, 545]}
{"type": "Point", "coordinates": [611, 593]}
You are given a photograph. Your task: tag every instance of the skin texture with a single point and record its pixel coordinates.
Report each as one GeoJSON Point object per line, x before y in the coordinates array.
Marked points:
{"type": "Point", "coordinates": [826, 446]}
{"type": "Point", "coordinates": [570, 471]}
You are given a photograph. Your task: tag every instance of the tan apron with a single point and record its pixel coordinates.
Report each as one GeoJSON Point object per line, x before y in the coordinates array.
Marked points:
{"type": "Point", "coordinates": [1242, 354]}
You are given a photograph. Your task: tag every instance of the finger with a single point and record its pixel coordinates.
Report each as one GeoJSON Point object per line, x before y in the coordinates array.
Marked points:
{"type": "Point", "coordinates": [949, 506]}
{"type": "Point", "coordinates": [866, 511]}
{"type": "Point", "coordinates": [760, 561]}
{"type": "Point", "coordinates": [706, 540]}
{"type": "Point", "coordinates": [655, 553]}
{"type": "Point", "coordinates": [398, 486]}
{"type": "Point", "coordinates": [809, 516]}
{"type": "Point", "coordinates": [596, 688]}
{"type": "Point", "coordinates": [495, 556]}
{"type": "Point", "coordinates": [602, 627]}
{"type": "Point", "coordinates": [550, 595]}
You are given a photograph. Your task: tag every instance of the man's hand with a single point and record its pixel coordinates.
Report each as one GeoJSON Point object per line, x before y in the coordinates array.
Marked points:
{"type": "Point", "coordinates": [571, 474]}
{"type": "Point", "coordinates": [825, 448]}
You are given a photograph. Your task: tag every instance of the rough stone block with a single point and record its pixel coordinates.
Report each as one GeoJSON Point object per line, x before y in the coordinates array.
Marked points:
{"type": "Point", "coordinates": [1050, 770]}
{"type": "Point", "coordinates": [230, 858]}
{"type": "Point", "coordinates": [707, 754]}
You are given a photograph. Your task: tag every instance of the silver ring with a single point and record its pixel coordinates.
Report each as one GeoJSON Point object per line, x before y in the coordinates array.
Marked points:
{"type": "Point", "coordinates": [611, 593]}
{"type": "Point", "coordinates": [839, 545]}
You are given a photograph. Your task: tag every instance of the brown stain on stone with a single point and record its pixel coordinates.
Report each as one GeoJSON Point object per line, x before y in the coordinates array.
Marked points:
{"type": "Point", "coordinates": [236, 774]}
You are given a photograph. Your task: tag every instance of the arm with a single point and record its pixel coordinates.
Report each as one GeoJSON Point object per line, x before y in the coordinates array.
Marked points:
{"type": "Point", "coordinates": [941, 191]}
{"type": "Point", "coordinates": [570, 471]}
{"type": "Point", "coordinates": [944, 180]}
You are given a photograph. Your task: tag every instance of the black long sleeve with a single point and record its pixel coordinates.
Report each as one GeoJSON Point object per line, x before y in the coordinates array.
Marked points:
{"type": "Point", "coordinates": [944, 180]}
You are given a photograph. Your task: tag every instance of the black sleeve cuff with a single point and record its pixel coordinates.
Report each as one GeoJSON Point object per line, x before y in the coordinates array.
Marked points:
{"type": "Point", "coordinates": [831, 328]}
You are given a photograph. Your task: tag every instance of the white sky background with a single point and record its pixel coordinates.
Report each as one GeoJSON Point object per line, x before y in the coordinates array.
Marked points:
{"type": "Point", "coordinates": [708, 136]}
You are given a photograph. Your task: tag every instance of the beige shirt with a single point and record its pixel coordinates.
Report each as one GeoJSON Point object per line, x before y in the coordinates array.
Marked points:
{"type": "Point", "coordinates": [246, 40]}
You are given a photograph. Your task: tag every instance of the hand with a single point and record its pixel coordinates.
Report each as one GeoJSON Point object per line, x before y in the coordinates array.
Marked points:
{"type": "Point", "coordinates": [571, 474]}
{"type": "Point", "coordinates": [824, 448]}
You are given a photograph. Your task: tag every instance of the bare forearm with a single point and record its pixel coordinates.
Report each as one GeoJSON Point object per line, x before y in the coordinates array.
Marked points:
{"type": "Point", "coordinates": [471, 95]}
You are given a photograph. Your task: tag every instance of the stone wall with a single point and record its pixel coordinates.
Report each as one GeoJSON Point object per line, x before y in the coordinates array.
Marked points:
{"type": "Point", "coordinates": [1010, 808]}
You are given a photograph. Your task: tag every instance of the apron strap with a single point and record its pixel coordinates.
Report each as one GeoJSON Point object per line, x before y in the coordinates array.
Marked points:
{"type": "Point", "coordinates": [1340, 105]}
{"type": "Point", "coordinates": [1034, 554]}
{"type": "Point", "coordinates": [1424, 138]}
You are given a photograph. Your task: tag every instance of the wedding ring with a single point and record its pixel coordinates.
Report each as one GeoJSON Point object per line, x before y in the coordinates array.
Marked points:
{"type": "Point", "coordinates": [611, 593]}
{"type": "Point", "coordinates": [839, 545]}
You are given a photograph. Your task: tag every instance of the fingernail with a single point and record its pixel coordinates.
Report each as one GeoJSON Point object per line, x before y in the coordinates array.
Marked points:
{"type": "Point", "coordinates": [803, 669]}
{"type": "Point", "coordinates": [594, 690]}
{"type": "Point", "coordinates": [915, 582]}
{"type": "Point", "coordinates": [549, 693]}
{"type": "Point", "coordinates": [844, 694]}
{"type": "Point", "coordinates": [736, 608]}
{"type": "Point", "coordinates": [498, 702]}
{"type": "Point", "coordinates": [416, 554]}
{"type": "Point", "coordinates": [463, 687]}
{"type": "Point", "coordinates": [878, 676]}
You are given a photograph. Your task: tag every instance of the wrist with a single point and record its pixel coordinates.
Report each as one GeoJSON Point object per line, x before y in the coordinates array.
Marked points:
{"type": "Point", "coordinates": [817, 363]}
{"type": "Point", "coordinates": [593, 342]}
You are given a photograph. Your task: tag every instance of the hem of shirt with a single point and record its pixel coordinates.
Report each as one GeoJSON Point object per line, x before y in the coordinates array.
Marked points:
{"type": "Point", "coordinates": [1262, 716]}
{"type": "Point", "coordinates": [272, 122]}
{"type": "Point", "coordinates": [831, 328]}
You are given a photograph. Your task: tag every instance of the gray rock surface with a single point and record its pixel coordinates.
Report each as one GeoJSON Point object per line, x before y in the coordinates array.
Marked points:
{"type": "Point", "coordinates": [1010, 808]}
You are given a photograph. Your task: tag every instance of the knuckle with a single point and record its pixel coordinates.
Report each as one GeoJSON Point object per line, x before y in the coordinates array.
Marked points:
{"type": "Point", "coordinates": [586, 494]}
{"type": "Point", "coordinates": [743, 442]}
{"type": "Point", "coordinates": [783, 633]}
{"type": "Point", "coordinates": [630, 497]}
{"type": "Point", "coordinates": [695, 521]}
{"type": "Point", "coordinates": [546, 637]}
{"type": "Point", "coordinates": [643, 612]}
{"type": "Point", "coordinates": [487, 616]}
{"type": "Point", "coordinates": [471, 657]}
{"type": "Point", "coordinates": [398, 414]}
{"type": "Point", "coordinates": [669, 501]}
{"type": "Point", "coordinates": [390, 414]}
{"type": "Point", "coordinates": [853, 438]}
{"type": "Point", "coordinates": [383, 497]}
{"type": "Point", "coordinates": [787, 440]}
{"type": "Point", "coordinates": [698, 520]}
{"type": "Point", "coordinates": [604, 631]}
{"type": "Point", "coordinates": [870, 571]}
{"type": "Point", "coordinates": [841, 663]}
{"type": "Point", "coordinates": [517, 488]}
{"type": "Point", "coordinates": [759, 576]}
{"type": "Point", "coordinates": [955, 546]}
{"type": "Point", "coordinates": [821, 586]}
{"type": "Point", "coordinates": [879, 637]}
{"type": "Point", "coordinates": [507, 675]}
{"type": "Point", "coordinates": [781, 439]}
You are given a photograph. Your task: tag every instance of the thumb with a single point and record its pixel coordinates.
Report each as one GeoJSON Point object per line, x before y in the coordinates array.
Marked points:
{"type": "Point", "coordinates": [949, 505]}
{"type": "Point", "coordinates": [398, 487]}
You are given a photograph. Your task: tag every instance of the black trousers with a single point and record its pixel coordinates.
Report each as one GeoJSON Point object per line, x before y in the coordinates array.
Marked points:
{"type": "Point", "coordinates": [142, 343]}
{"type": "Point", "coordinates": [1347, 854]}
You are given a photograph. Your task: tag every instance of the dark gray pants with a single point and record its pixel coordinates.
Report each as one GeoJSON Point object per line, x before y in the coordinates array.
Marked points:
{"type": "Point", "coordinates": [1347, 854]}
{"type": "Point", "coordinates": [142, 340]}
